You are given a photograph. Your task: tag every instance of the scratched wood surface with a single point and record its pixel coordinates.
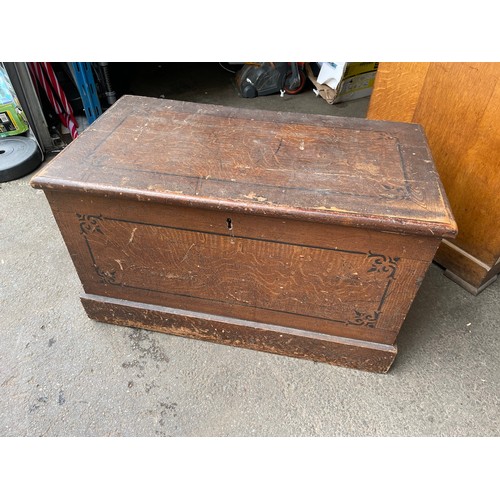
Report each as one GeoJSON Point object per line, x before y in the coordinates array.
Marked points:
{"type": "Point", "coordinates": [329, 169]}
{"type": "Point", "coordinates": [458, 104]}
{"type": "Point", "coordinates": [251, 335]}
{"type": "Point", "coordinates": [342, 281]}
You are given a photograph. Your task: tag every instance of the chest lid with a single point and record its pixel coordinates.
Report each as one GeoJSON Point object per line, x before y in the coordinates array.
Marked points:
{"type": "Point", "coordinates": [333, 170]}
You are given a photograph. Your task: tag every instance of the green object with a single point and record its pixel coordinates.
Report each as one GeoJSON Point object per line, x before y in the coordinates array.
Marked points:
{"type": "Point", "coordinates": [12, 118]}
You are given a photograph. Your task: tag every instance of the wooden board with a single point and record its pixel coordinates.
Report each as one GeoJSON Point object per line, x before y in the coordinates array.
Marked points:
{"type": "Point", "coordinates": [458, 105]}
{"type": "Point", "coordinates": [349, 353]}
{"type": "Point", "coordinates": [397, 91]}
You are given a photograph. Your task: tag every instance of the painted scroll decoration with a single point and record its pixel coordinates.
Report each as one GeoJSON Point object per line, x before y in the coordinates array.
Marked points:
{"type": "Point", "coordinates": [379, 263]}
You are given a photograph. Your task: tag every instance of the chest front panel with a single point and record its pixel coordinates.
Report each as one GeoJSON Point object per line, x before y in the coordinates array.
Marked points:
{"type": "Point", "coordinates": [336, 280]}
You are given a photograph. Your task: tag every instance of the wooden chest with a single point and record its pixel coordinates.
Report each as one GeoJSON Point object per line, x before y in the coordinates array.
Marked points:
{"type": "Point", "coordinates": [301, 235]}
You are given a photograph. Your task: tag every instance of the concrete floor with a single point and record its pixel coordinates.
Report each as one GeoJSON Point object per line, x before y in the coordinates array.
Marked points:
{"type": "Point", "coordinates": [62, 374]}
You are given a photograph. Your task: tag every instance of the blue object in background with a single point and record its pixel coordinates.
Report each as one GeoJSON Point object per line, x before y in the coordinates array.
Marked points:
{"type": "Point", "coordinates": [84, 78]}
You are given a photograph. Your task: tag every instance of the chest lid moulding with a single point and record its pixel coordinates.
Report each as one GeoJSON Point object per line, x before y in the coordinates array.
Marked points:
{"type": "Point", "coordinates": [303, 235]}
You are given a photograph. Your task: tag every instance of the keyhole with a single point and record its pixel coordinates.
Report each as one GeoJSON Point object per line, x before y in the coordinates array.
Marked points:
{"type": "Point", "coordinates": [229, 224]}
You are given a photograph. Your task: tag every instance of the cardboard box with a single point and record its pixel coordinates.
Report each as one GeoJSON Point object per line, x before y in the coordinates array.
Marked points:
{"type": "Point", "coordinates": [12, 118]}
{"type": "Point", "coordinates": [343, 81]}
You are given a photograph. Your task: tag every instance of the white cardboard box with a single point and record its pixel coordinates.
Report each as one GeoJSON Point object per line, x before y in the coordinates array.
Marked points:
{"type": "Point", "coordinates": [344, 81]}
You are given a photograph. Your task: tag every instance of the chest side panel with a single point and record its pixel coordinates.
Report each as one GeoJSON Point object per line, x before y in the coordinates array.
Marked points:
{"type": "Point", "coordinates": [341, 281]}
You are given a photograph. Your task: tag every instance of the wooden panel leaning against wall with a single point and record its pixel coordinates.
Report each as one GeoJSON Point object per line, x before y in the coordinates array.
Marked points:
{"type": "Point", "coordinates": [458, 104]}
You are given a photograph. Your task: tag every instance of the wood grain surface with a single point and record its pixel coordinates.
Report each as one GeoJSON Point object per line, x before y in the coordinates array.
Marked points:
{"type": "Point", "coordinates": [251, 335]}
{"type": "Point", "coordinates": [458, 105]}
{"type": "Point", "coordinates": [397, 91]}
{"type": "Point", "coordinates": [349, 282]}
{"type": "Point", "coordinates": [328, 169]}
